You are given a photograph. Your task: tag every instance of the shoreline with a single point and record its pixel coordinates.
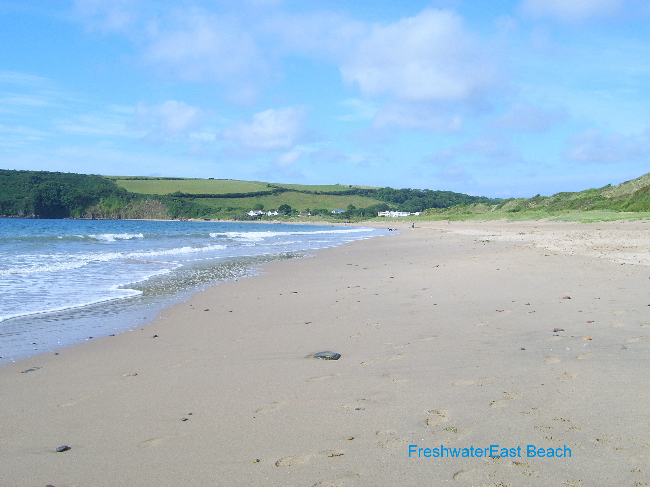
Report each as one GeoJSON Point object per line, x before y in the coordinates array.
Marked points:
{"type": "Point", "coordinates": [446, 335]}
{"type": "Point", "coordinates": [133, 307]}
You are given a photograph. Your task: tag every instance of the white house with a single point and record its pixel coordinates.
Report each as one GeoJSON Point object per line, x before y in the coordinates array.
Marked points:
{"type": "Point", "coordinates": [393, 214]}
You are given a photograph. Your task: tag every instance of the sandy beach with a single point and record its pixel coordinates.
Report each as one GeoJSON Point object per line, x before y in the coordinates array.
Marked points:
{"type": "Point", "coordinates": [453, 337]}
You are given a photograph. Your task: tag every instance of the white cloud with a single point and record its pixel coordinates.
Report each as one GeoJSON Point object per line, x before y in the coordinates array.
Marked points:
{"type": "Point", "coordinates": [107, 16]}
{"type": "Point", "coordinates": [171, 119]}
{"type": "Point", "coordinates": [417, 116]}
{"type": "Point", "coordinates": [593, 146]}
{"type": "Point", "coordinates": [288, 158]}
{"type": "Point", "coordinates": [270, 130]}
{"type": "Point", "coordinates": [321, 34]}
{"type": "Point", "coordinates": [422, 58]}
{"type": "Point", "coordinates": [570, 10]}
{"type": "Point", "coordinates": [530, 118]}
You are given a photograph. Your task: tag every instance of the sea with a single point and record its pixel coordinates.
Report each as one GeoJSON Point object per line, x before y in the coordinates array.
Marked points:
{"type": "Point", "coordinates": [64, 282]}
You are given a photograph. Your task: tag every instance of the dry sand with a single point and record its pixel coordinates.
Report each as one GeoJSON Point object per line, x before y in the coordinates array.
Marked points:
{"type": "Point", "coordinates": [446, 335]}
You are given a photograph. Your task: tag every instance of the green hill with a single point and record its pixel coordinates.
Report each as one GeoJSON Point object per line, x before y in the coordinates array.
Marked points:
{"type": "Point", "coordinates": [42, 194]}
{"type": "Point", "coordinates": [630, 196]}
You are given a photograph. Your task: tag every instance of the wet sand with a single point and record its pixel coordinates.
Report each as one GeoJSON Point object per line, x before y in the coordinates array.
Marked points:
{"type": "Point", "coordinates": [447, 338]}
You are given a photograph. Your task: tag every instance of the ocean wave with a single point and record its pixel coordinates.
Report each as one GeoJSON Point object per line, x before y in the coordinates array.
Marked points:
{"type": "Point", "coordinates": [112, 237]}
{"type": "Point", "coordinates": [81, 260]}
{"type": "Point", "coordinates": [259, 236]}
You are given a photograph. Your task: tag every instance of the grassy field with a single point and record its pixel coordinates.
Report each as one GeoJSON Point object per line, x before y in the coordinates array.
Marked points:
{"type": "Point", "coordinates": [192, 186]}
{"type": "Point", "coordinates": [328, 188]}
{"type": "Point", "coordinates": [217, 186]}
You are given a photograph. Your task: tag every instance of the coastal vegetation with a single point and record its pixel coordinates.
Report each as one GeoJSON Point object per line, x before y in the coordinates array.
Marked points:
{"type": "Point", "coordinates": [41, 194]}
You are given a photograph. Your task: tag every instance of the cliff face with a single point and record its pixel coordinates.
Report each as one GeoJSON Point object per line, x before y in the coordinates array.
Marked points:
{"type": "Point", "coordinates": [136, 210]}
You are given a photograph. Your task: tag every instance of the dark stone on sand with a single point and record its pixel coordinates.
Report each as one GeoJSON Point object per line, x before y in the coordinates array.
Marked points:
{"type": "Point", "coordinates": [566, 297]}
{"type": "Point", "coordinates": [184, 419]}
{"type": "Point", "coordinates": [522, 348]}
{"type": "Point", "coordinates": [155, 336]}
{"type": "Point", "coordinates": [327, 355]}
{"type": "Point", "coordinates": [62, 448]}
{"type": "Point", "coordinates": [30, 370]}
{"type": "Point", "coordinates": [557, 329]}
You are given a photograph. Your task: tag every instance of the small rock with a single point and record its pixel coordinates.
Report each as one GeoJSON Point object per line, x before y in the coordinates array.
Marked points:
{"type": "Point", "coordinates": [257, 460]}
{"type": "Point", "coordinates": [62, 448]}
{"type": "Point", "coordinates": [590, 321]}
{"type": "Point", "coordinates": [327, 355]}
{"type": "Point", "coordinates": [586, 338]}
{"type": "Point", "coordinates": [206, 309]}
{"type": "Point", "coordinates": [566, 297]}
{"type": "Point", "coordinates": [522, 348]}
{"type": "Point", "coordinates": [155, 336]}
{"type": "Point", "coordinates": [184, 419]}
{"type": "Point", "coordinates": [555, 330]}
{"type": "Point", "coordinates": [350, 438]}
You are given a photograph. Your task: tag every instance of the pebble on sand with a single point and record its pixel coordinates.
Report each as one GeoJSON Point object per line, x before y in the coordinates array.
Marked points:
{"type": "Point", "coordinates": [557, 329]}
{"type": "Point", "coordinates": [327, 355]}
{"type": "Point", "coordinates": [62, 448]}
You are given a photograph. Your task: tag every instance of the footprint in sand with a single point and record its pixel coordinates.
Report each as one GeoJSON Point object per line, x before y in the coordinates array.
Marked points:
{"type": "Point", "coordinates": [395, 379]}
{"type": "Point", "coordinates": [450, 435]}
{"type": "Point", "coordinates": [322, 377]}
{"type": "Point", "coordinates": [567, 376]}
{"type": "Point", "coordinates": [391, 440]}
{"type": "Point", "coordinates": [300, 459]}
{"type": "Point", "coordinates": [490, 379]}
{"type": "Point", "coordinates": [437, 416]}
{"type": "Point", "coordinates": [291, 461]}
{"type": "Point", "coordinates": [551, 359]}
{"type": "Point", "coordinates": [463, 383]}
{"type": "Point", "coordinates": [269, 408]}
{"type": "Point", "coordinates": [150, 442]}
{"type": "Point", "coordinates": [501, 403]}
{"type": "Point", "coordinates": [462, 474]}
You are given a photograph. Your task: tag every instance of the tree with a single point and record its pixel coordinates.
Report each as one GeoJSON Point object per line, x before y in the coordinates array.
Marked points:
{"type": "Point", "coordinates": [258, 206]}
{"type": "Point", "coordinates": [284, 208]}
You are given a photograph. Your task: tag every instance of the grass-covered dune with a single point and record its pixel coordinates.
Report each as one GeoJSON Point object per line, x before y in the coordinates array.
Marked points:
{"type": "Point", "coordinates": [630, 199]}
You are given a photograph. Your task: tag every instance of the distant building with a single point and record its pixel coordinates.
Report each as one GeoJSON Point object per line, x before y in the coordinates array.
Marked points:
{"type": "Point", "coordinates": [305, 214]}
{"type": "Point", "coordinates": [394, 214]}
{"type": "Point", "coordinates": [338, 211]}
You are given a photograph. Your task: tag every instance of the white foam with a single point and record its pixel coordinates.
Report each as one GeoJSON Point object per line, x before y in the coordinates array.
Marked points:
{"type": "Point", "coordinates": [112, 237]}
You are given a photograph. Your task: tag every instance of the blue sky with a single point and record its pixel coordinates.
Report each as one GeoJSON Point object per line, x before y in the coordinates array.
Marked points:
{"type": "Point", "coordinates": [500, 98]}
